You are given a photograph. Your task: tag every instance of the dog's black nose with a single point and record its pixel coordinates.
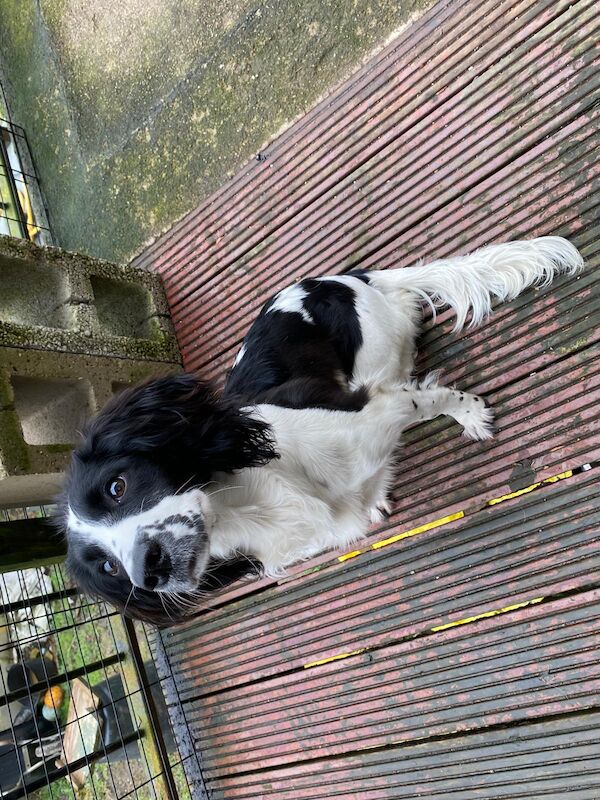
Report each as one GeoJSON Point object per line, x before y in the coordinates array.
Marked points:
{"type": "Point", "coordinates": [157, 565]}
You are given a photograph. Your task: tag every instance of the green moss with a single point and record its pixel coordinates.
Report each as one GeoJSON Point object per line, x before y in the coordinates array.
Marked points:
{"type": "Point", "coordinates": [19, 335]}
{"type": "Point", "coordinates": [38, 101]}
{"type": "Point", "coordinates": [14, 454]}
{"type": "Point", "coordinates": [129, 140]}
{"type": "Point", "coordinates": [58, 448]}
{"type": "Point", "coordinates": [158, 348]}
{"type": "Point", "coordinates": [6, 393]}
{"type": "Point", "coordinates": [119, 58]}
{"type": "Point", "coordinates": [60, 790]}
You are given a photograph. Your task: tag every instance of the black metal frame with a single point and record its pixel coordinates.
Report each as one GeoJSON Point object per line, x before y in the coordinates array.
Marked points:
{"type": "Point", "coordinates": [4, 157]}
{"type": "Point", "coordinates": [29, 542]}
{"type": "Point", "coordinates": [157, 734]}
{"type": "Point", "coordinates": [29, 180]}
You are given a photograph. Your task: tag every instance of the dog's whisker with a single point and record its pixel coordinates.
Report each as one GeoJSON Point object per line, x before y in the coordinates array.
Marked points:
{"type": "Point", "coordinates": [185, 601]}
{"type": "Point", "coordinates": [223, 489]}
{"type": "Point", "coordinates": [131, 593]}
{"type": "Point", "coordinates": [185, 483]}
{"type": "Point", "coordinates": [165, 607]}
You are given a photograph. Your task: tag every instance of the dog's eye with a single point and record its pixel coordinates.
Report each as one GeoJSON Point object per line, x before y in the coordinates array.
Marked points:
{"type": "Point", "coordinates": [116, 488]}
{"type": "Point", "coordinates": [110, 567]}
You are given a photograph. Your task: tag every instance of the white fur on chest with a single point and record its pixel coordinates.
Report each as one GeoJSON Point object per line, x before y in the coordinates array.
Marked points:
{"type": "Point", "coordinates": [315, 497]}
{"type": "Point", "coordinates": [281, 517]}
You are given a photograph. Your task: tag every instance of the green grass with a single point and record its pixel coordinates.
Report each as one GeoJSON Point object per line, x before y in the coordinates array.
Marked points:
{"type": "Point", "coordinates": [59, 790]}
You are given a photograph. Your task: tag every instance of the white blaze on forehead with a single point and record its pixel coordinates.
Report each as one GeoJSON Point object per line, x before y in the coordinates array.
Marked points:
{"type": "Point", "coordinates": [118, 537]}
{"type": "Point", "coordinates": [292, 300]}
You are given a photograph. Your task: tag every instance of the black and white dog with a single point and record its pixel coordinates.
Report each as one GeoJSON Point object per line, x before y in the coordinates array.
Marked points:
{"type": "Point", "coordinates": [172, 483]}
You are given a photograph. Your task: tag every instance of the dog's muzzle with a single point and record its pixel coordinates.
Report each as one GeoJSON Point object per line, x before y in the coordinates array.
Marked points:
{"type": "Point", "coordinates": [170, 555]}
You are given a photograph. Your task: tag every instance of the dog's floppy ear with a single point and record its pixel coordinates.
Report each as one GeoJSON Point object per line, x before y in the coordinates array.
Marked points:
{"type": "Point", "coordinates": [178, 417]}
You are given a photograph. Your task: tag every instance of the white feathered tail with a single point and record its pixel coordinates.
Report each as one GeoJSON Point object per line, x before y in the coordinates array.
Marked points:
{"type": "Point", "coordinates": [468, 283]}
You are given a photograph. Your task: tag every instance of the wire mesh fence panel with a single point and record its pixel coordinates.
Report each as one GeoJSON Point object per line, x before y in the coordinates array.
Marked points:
{"type": "Point", "coordinates": [22, 210]}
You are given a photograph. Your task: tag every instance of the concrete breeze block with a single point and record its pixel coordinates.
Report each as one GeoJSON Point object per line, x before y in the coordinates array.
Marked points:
{"type": "Point", "coordinates": [73, 331]}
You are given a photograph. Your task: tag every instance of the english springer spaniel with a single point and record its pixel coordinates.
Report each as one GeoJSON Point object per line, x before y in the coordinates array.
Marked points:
{"type": "Point", "coordinates": [176, 489]}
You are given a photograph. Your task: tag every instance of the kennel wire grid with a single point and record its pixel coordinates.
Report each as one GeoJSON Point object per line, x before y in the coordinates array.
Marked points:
{"type": "Point", "coordinates": [22, 211]}
{"type": "Point", "coordinates": [85, 639]}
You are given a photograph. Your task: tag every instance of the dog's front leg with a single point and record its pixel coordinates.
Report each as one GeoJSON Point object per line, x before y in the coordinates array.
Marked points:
{"type": "Point", "coordinates": [468, 409]}
{"type": "Point", "coordinates": [395, 408]}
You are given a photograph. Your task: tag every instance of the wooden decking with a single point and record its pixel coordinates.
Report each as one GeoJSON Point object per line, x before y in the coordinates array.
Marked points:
{"type": "Point", "coordinates": [456, 653]}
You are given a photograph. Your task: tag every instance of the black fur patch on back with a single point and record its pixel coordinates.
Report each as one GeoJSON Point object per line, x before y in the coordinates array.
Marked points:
{"type": "Point", "coordinates": [361, 274]}
{"type": "Point", "coordinates": [292, 362]}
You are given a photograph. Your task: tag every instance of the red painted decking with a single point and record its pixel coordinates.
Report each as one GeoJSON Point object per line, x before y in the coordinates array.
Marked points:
{"type": "Point", "coordinates": [455, 655]}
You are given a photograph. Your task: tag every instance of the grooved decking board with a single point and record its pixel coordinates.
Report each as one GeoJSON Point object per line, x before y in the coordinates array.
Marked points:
{"type": "Point", "coordinates": [379, 176]}
{"type": "Point", "coordinates": [550, 420]}
{"type": "Point", "coordinates": [495, 210]}
{"type": "Point", "coordinates": [460, 661]}
{"type": "Point", "coordinates": [531, 663]}
{"type": "Point", "coordinates": [546, 761]}
{"type": "Point", "coordinates": [508, 554]}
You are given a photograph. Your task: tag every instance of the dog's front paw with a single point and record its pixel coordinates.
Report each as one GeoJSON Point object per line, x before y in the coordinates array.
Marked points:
{"type": "Point", "coordinates": [380, 512]}
{"type": "Point", "coordinates": [477, 418]}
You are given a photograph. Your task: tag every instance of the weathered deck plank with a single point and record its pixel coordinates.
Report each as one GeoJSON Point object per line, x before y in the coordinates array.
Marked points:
{"type": "Point", "coordinates": [498, 209]}
{"type": "Point", "coordinates": [541, 761]}
{"type": "Point", "coordinates": [508, 554]}
{"type": "Point", "coordinates": [433, 204]}
{"type": "Point", "coordinates": [535, 662]}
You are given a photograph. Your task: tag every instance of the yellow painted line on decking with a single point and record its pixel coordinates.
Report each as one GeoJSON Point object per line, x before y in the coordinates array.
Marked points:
{"type": "Point", "coordinates": [339, 657]}
{"type": "Point", "coordinates": [352, 554]}
{"type": "Point", "coordinates": [454, 624]}
{"type": "Point", "coordinates": [486, 614]}
{"type": "Point", "coordinates": [553, 479]}
{"type": "Point", "coordinates": [428, 526]}
{"type": "Point", "coordinates": [437, 523]}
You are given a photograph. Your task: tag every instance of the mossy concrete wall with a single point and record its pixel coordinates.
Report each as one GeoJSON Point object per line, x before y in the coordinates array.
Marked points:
{"type": "Point", "coordinates": [55, 300]}
{"type": "Point", "coordinates": [137, 109]}
{"type": "Point", "coordinates": [73, 331]}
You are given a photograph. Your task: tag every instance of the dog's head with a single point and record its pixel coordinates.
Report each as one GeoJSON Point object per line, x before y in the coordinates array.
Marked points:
{"type": "Point", "coordinates": [136, 505]}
